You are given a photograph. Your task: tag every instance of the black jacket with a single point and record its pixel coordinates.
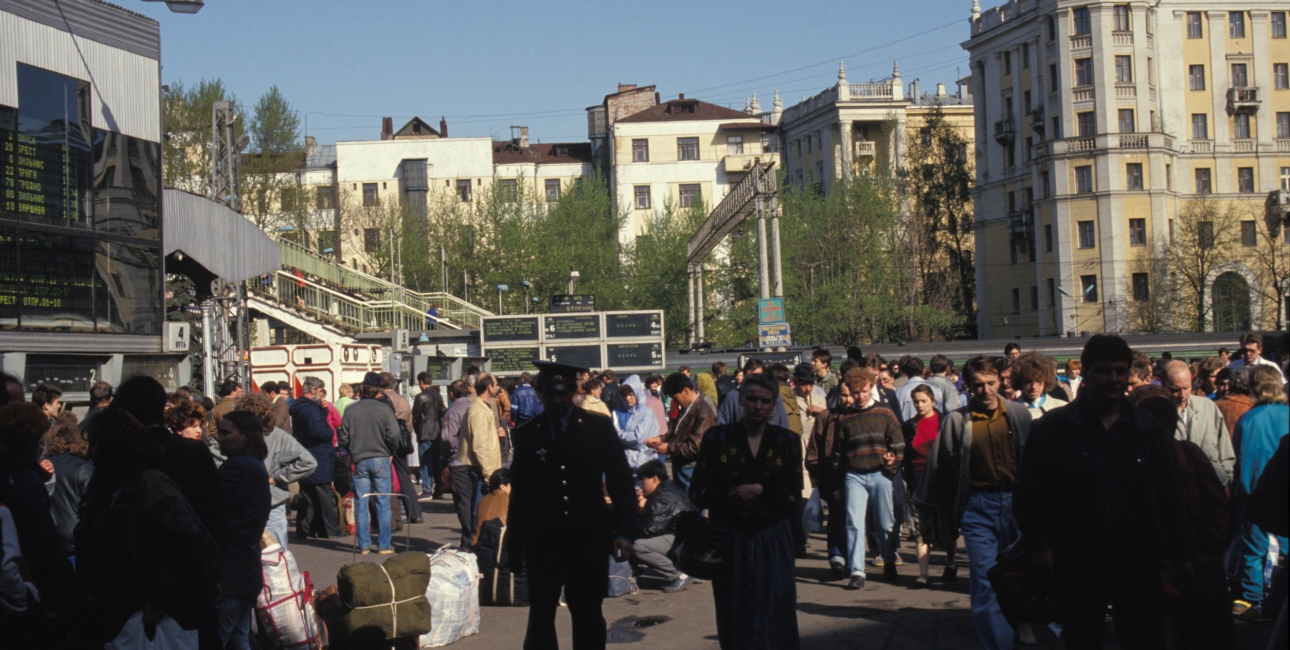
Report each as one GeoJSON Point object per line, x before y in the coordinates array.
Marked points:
{"type": "Point", "coordinates": [309, 426]}
{"type": "Point", "coordinates": [71, 482]}
{"type": "Point", "coordinates": [427, 409]}
{"type": "Point", "coordinates": [724, 386]}
{"type": "Point", "coordinates": [662, 508]}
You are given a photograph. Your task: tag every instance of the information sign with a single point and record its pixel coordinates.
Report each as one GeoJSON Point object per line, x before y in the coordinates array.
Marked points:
{"type": "Point", "coordinates": [584, 326]}
{"type": "Point", "coordinates": [634, 355]}
{"type": "Point", "coordinates": [585, 356]}
{"type": "Point", "coordinates": [511, 329]}
{"type": "Point", "coordinates": [770, 311]}
{"type": "Point", "coordinates": [440, 368]}
{"type": "Point", "coordinates": [634, 325]}
{"type": "Point", "coordinates": [577, 302]}
{"type": "Point", "coordinates": [775, 336]}
{"type": "Point", "coordinates": [789, 359]}
{"type": "Point", "coordinates": [514, 360]}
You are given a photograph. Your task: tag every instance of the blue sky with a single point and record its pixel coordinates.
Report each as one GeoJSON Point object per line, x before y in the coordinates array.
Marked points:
{"type": "Point", "coordinates": [490, 64]}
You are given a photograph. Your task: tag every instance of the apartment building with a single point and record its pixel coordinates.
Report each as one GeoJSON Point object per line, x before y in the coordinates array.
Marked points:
{"type": "Point", "coordinates": [1097, 124]}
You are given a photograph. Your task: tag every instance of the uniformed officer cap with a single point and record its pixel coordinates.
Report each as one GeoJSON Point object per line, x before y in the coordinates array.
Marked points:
{"type": "Point", "coordinates": [556, 377]}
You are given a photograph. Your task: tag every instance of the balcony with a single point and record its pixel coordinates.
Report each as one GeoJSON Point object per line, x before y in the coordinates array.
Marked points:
{"type": "Point", "coordinates": [1122, 38]}
{"type": "Point", "coordinates": [1021, 223]}
{"type": "Point", "coordinates": [1004, 131]}
{"type": "Point", "coordinates": [1037, 119]}
{"type": "Point", "coordinates": [1081, 42]}
{"type": "Point", "coordinates": [1082, 94]}
{"type": "Point", "coordinates": [1126, 91]}
{"type": "Point", "coordinates": [739, 163]}
{"type": "Point", "coordinates": [1283, 145]}
{"type": "Point", "coordinates": [1133, 141]}
{"type": "Point", "coordinates": [1202, 146]}
{"type": "Point", "coordinates": [1243, 99]}
{"type": "Point", "coordinates": [864, 149]}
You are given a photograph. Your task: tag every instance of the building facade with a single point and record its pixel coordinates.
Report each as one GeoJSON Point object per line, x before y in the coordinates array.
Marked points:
{"type": "Point", "coordinates": [1105, 132]}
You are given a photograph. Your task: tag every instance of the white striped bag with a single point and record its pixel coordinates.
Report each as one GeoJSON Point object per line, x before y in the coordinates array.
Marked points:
{"type": "Point", "coordinates": [284, 608]}
{"type": "Point", "coordinates": [454, 597]}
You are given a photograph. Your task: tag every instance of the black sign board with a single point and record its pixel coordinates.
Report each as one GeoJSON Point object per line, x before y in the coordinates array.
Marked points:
{"type": "Point", "coordinates": [520, 329]}
{"type": "Point", "coordinates": [635, 355]}
{"type": "Point", "coordinates": [514, 360]}
{"type": "Point", "coordinates": [586, 356]}
{"type": "Point", "coordinates": [789, 359]}
{"type": "Point", "coordinates": [440, 368]}
{"type": "Point", "coordinates": [559, 328]}
{"type": "Point", "coordinates": [642, 325]}
{"type": "Point", "coordinates": [577, 302]}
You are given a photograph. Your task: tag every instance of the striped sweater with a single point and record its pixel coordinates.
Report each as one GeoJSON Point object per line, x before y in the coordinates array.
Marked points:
{"type": "Point", "coordinates": [863, 436]}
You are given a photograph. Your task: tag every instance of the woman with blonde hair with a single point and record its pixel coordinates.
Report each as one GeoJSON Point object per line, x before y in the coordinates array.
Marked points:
{"type": "Point", "coordinates": [1257, 435]}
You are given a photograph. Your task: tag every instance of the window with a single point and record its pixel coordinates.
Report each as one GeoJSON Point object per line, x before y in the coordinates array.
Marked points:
{"type": "Point", "coordinates": [1278, 24]}
{"type": "Point", "coordinates": [1241, 126]}
{"type": "Point", "coordinates": [1013, 245]}
{"type": "Point", "coordinates": [1285, 178]}
{"type": "Point", "coordinates": [1025, 101]}
{"type": "Point", "coordinates": [1236, 24]}
{"type": "Point", "coordinates": [1121, 13]}
{"type": "Point", "coordinates": [1048, 238]}
{"type": "Point", "coordinates": [1053, 78]}
{"type": "Point", "coordinates": [1088, 287]}
{"type": "Point", "coordinates": [1245, 180]}
{"type": "Point", "coordinates": [1044, 185]}
{"type": "Point", "coordinates": [1194, 25]}
{"type": "Point", "coordinates": [1011, 154]}
{"type": "Point", "coordinates": [1025, 55]}
{"type": "Point", "coordinates": [1034, 298]}
{"type": "Point", "coordinates": [1052, 293]}
{"type": "Point", "coordinates": [1199, 126]}
{"type": "Point", "coordinates": [1016, 301]}
{"type": "Point", "coordinates": [1202, 181]}
{"type": "Point", "coordinates": [687, 148]}
{"type": "Point", "coordinates": [808, 142]}
{"type": "Point", "coordinates": [1172, 239]}
{"type": "Point", "coordinates": [734, 144]}
{"type": "Point", "coordinates": [1169, 177]}
{"type": "Point", "coordinates": [797, 145]}
{"type": "Point", "coordinates": [1196, 77]}
{"type": "Point", "coordinates": [325, 197]}
{"type": "Point", "coordinates": [1086, 124]}
{"type": "Point", "coordinates": [1205, 234]}
{"type": "Point", "coordinates": [1052, 28]}
{"type": "Point", "coordinates": [1141, 287]}
{"type": "Point", "coordinates": [1087, 234]}
{"type": "Point", "coordinates": [371, 240]}
{"type": "Point", "coordinates": [1057, 127]}
{"type": "Point", "coordinates": [371, 195]}
{"type": "Point", "coordinates": [1280, 76]}
{"type": "Point", "coordinates": [1083, 25]}
{"type": "Point", "coordinates": [1126, 120]}
{"type": "Point", "coordinates": [1007, 107]}
{"type": "Point", "coordinates": [1084, 179]}
{"type": "Point", "coordinates": [1007, 62]}
{"type": "Point", "coordinates": [1084, 72]}
{"type": "Point", "coordinates": [1137, 232]}
{"type": "Point", "coordinates": [1133, 178]}
{"type": "Point", "coordinates": [1151, 71]}
{"type": "Point", "coordinates": [1240, 75]}
{"type": "Point", "coordinates": [1030, 147]}
{"type": "Point", "coordinates": [1283, 125]}
{"type": "Point", "coordinates": [510, 190]}
{"type": "Point", "coordinates": [642, 197]}
{"type": "Point", "coordinates": [640, 150]}
{"type": "Point", "coordinates": [1123, 68]}
{"type": "Point", "coordinates": [690, 195]}
{"type": "Point", "coordinates": [552, 190]}
{"type": "Point", "coordinates": [1249, 233]}
{"type": "Point", "coordinates": [463, 190]}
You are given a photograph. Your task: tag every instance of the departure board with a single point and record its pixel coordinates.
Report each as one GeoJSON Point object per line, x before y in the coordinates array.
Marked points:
{"type": "Point", "coordinates": [584, 326]}
{"type": "Point", "coordinates": [634, 325]}
{"type": "Point", "coordinates": [511, 329]}
{"type": "Point", "coordinates": [584, 356]}
{"type": "Point", "coordinates": [514, 360]}
{"type": "Point", "coordinates": [440, 368]}
{"type": "Point", "coordinates": [635, 355]}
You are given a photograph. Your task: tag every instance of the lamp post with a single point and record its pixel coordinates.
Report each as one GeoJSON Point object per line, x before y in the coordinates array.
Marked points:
{"type": "Point", "coordinates": [573, 275]}
{"type": "Point", "coordinates": [527, 285]}
{"type": "Point", "coordinates": [501, 288]}
{"type": "Point", "coordinates": [182, 6]}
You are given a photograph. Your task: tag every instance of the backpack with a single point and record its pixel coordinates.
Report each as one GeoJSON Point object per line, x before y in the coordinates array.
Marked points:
{"type": "Point", "coordinates": [525, 403]}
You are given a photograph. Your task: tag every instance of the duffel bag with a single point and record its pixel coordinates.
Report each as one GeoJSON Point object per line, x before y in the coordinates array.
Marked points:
{"type": "Point", "coordinates": [385, 601]}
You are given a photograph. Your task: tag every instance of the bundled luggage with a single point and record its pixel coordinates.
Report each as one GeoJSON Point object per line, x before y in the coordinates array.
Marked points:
{"type": "Point", "coordinates": [621, 580]}
{"type": "Point", "coordinates": [284, 609]}
{"type": "Point", "coordinates": [384, 601]}
{"type": "Point", "coordinates": [498, 586]}
{"type": "Point", "coordinates": [454, 597]}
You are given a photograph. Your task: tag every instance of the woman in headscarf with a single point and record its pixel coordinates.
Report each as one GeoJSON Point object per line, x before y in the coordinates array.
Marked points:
{"type": "Point", "coordinates": [635, 423]}
{"type": "Point", "coordinates": [707, 386]}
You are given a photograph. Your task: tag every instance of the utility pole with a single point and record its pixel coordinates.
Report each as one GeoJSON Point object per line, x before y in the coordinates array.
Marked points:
{"type": "Point", "coordinates": [763, 272]}
{"type": "Point", "coordinates": [218, 347]}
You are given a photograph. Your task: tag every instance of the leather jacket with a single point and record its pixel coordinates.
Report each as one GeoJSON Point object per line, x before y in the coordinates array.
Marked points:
{"type": "Point", "coordinates": [658, 517]}
{"type": "Point", "coordinates": [427, 408]}
{"type": "Point", "coordinates": [71, 482]}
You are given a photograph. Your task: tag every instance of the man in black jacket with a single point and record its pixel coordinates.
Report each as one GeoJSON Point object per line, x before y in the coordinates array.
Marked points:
{"type": "Point", "coordinates": [427, 409]}
{"type": "Point", "coordinates": [661, 502]}
{"type": "Point", "coordinates": [559, 526]}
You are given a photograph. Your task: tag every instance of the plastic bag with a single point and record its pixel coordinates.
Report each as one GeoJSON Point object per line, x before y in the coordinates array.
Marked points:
{"type": "Point", "coordinates": [285, 606]}
{"type": "Point", "coordinates": [351, 520]}
{"type": "Point", "coordinates": [454, 598]}
{"type": "Point", "coordinates": [169, 636]}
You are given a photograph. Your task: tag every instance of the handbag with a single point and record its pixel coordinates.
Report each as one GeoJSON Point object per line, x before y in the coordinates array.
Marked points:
{"type": "Point", "coordinates": [703, 547]}
{"type": "Point", "coordinates": [1021, 599]}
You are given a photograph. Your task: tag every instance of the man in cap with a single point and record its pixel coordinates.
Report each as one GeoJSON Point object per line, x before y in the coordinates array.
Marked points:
{"type": "Point", "coordinates": [558, 526]}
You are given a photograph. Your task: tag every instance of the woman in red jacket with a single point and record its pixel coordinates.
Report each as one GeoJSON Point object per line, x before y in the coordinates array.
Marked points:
{"type": "Point", "coordinates": [922, 429]}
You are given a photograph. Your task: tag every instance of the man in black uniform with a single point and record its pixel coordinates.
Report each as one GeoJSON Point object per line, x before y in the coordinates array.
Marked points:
{"type": "Point", "coordinates": [559, 526]}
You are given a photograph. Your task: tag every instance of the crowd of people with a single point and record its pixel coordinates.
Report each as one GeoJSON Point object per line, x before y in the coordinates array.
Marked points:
{"type": "Point", "coordinates": [1153, 486]}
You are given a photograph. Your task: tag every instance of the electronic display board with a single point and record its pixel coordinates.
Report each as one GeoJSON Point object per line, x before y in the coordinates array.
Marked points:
{"type": "Point", "coordinates": [569, 303]}
{"type": "Point", "coordinates": [586, 356]}
{"type": "Point", "coordinates": [635, 355]}
{"type": "Point", "coordinates": [514, 360]}
{"type": "Point", "coordinates": [634, 325]}
{"type": "Point", "coordinates": [440, 368]}
{"type": "Point", "coordinates": [582, 326]}
{"type": "Point", "coordinates": [511, 329]}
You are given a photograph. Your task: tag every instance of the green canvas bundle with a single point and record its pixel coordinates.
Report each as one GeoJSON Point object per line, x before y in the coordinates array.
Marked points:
{"type": "Point", "coordinates": [385, 601]}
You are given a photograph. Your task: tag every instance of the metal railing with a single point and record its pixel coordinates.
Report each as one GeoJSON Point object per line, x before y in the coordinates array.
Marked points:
{"type": "Point", "coordinates": [338, 309]}
{"type": "Point", "coordinates": [762, 180]}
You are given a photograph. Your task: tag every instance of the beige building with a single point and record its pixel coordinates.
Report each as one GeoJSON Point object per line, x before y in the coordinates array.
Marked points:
{"type": "Point", "coordinates": [1101, 127]}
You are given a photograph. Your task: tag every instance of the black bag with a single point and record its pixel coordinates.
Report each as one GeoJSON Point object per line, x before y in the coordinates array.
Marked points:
{"type": "Point", "coordinates": [344, 478]}
{"type": "Point", "coordinates": [405, 441]}
{"type": "Point", "coordinates": [499, 585]}
{"type": "Point", "coordinates": [704, 548]}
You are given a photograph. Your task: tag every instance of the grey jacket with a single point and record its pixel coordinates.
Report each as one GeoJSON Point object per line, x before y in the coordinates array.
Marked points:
{"type": "Point", "coordinates": [369, 430]}
{"type": "Point", "coordinates": [1204, 425]}
{"type": "Point", "coordinates": [949, 392]}
{"type": "Point", "coordinates": [288, 461]}
{"type": "Point", "coordinates": [943, 492]}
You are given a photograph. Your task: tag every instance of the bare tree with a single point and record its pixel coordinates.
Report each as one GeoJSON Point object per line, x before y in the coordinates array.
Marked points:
{"type": "Point", "coordinates": [1153, 306]}
{"type": "Point", "coordinates": [1208, 232]}
{"type": "Point", "coordinates": [1271, 256]}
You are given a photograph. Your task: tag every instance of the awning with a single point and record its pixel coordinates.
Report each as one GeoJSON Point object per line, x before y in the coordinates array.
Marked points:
{"type": "Point", "coordinates": [206, 240]}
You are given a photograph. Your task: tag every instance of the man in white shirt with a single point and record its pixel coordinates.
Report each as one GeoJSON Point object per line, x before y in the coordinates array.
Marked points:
{"type": "Point", "coordinates": [1251, 354]}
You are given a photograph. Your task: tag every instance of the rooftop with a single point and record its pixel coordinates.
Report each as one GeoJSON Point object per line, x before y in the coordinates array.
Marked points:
{"type": "Point", "coordinates": [682, 109]}
{"type": "Point", "coordinates": [550, 153]}
{"type": "Point", "coordinates": [123, 9]}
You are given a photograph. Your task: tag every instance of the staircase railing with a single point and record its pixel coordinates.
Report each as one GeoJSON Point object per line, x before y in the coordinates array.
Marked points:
{"type": "Point", "coordinates": [339, 309]}
{"type": "Point", "coordinates": [450, 307]}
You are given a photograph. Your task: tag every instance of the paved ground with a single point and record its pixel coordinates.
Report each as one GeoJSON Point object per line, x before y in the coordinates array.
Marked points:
{"type": "Point", "coordinates": [881, 616]}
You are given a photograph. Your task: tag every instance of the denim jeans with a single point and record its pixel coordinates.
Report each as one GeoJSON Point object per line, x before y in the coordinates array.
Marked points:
{"type": "Point", "coordinates": [1251, 546]}
{"type": "Point", "coordinates": [234, 623]}
{"type": "Point", "coordinates": [277, 524]}
{"type": "Point", "coordinates": [861, 489]}
{"type": "Point", "coordinates": [372, 475]}
{"type": "Point", "coordinates": [429, 462]}
{"type": "Point", "coordinates": [988, 528]}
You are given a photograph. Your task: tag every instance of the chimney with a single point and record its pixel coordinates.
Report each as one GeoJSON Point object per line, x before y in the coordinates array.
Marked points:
{"type": "Point", "coordinates": [916, 91]}
{"type": "Point", "coordinates": [681, 96]}
{"type": "Point", "coordinates": [443, 127]}
{"type": "Point", "coordinates": [524, 137]}
{"type": "Point", "coordinates": [624, 87]}
{"type": "Point", "coordinates": [940, 90]}
{"type": "Point", "coordinates": [387, 128]}
{"type": "Point", "coordinates": [656, 101]}
{"type": "Point", "coordinates": [311, 145]}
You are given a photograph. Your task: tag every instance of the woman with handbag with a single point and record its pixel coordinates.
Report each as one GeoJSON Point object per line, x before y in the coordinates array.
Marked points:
{"type": "Point", "coordinates": [749, 476]}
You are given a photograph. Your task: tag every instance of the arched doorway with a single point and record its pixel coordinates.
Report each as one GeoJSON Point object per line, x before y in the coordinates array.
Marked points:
{"type": "Point", "coordinates": [1231, 303]}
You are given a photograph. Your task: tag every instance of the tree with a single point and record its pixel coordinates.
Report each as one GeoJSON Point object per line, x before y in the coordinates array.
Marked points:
{"type": "Point", "coordinates": [1208, 231]}
{"type": "Point", "coordinates": [269, 175]}
{"type": "Point", "coordinates": [1272, 259]}
{"type": "Point", "coordinates": [186, 125]}
{"type": "Point", "coordinates": [275, 126]}
{"type": "Point", "coordinates": [1153, 305]}
{"type": "Point", "coordinates": [658, 277]}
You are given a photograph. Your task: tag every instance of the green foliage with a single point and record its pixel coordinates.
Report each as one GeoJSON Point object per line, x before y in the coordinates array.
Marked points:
{"type": "Point", "coordinates": [275, 126]}
{"type": "Point", "coordinates": [186, 123]}
{"type": "Point", "coordinates": [658, 278]}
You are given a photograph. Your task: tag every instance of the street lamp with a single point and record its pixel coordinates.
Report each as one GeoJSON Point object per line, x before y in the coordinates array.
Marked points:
{"type": "Point", "coordinates": [500, 289]}
{"type": "Point", "coordinates": [573, 275]}
{"type": "Point", "coordinates": [182, 6]}
{"type": "Point", "coordinates": [527, 285]}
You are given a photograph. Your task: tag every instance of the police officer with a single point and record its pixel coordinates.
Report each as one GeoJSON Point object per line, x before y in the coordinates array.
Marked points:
{"type": "Point", "coordinates": [559, 526]}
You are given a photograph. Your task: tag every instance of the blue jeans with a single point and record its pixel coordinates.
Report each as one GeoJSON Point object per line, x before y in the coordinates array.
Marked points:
{"type": "Point", "coordinates": [277, 524]}
{"type": "Point", "coordinates": [1251, 545]}
{"type": "Point", "coordinates": [860, 490]}
{"type": "Point", "coordinates": [988, 528]}
{"type": "Point", "coordinates": [234, 623]}
{"type": "Point", "coordinates": [429, 465]}
{"type": "Point", "coordinates": [372, 475]}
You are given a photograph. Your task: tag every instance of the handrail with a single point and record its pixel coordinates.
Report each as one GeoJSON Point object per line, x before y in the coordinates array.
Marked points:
{"type": "Point", "coordinates": [338, 309]}
{"type": "Point", "coordinates": [732, 210]}
{"type": "Point", "coordinates": [449, 306]}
